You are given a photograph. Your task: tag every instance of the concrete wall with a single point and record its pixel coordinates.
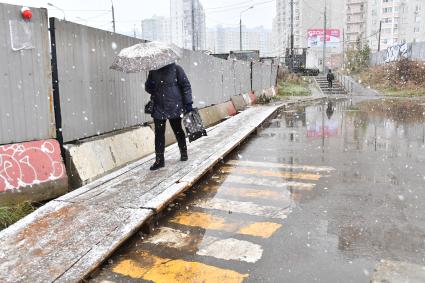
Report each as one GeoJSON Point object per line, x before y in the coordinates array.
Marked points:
{"type": "Point", "coordinates": [26, 111]}
{"type": "Point", "coordinates": [412, 51]}
{"type": "Point", "coordinates": [31, 171]}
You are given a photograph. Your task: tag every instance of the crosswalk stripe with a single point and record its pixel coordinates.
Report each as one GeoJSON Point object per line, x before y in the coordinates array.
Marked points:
{"type": "Point", "coordinates": [268, 173]}
{"type": "Point", "coordinates": [226, 249]}
{"type": "Point", "coordinates": [280, 166]}
{"type": "Point", "coordinates": [165, 270]}
{"type": "Point", "coordinates": [212, 222]}
{"type": "Point", "coordinates": [246, 180]}
{"type": "Point", "coordinates": [243, 207]}
{"type": "Point", "coordinates": [231, 249]}
{"type": "Point", "coordinates": [283, 196]}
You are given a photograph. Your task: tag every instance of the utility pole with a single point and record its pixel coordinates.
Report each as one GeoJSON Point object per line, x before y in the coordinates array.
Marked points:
{"type": "Point", "coordinates": [379, 38]}
{"type": "Point", "coordinates": [240, 25]}
{"type": "Point", "coordinates": [193, 25]}
{"type": "Point", "coordinates": [240, 33]}
{"type": "Point", "coordinates": [292, 35]}
{"type": "Point", "coordinates": [135, 34]}
{"type": "Point", "coordinates": [343, 49]}
{"type": "Point", "coordinates": [324, 40]}
{"type": "Point", "coordinates": [113, 16]}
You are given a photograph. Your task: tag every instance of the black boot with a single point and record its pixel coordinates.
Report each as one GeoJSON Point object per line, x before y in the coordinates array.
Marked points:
{"type": "Point", "coordinates": [183, 155]}
{"type": "Point", "coordinates": [159, 162]}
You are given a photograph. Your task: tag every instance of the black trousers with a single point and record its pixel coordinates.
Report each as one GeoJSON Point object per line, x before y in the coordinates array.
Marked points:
{"type": "Point", "coordinates": [330, 84]}
{"type": "Point", "coordinates": [176, 125]}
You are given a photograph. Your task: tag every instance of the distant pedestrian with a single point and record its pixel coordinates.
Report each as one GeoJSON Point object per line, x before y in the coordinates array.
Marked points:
{"type": "Point", "coordinates": [330, 78]}
{"type": "Point", "coordinates": [171, 95]}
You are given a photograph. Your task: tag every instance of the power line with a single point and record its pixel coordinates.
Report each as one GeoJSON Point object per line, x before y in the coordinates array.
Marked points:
{"type": "Point", "coordinates": [240, 7]}
{"type": "Point", "coordinates": [231, 5]}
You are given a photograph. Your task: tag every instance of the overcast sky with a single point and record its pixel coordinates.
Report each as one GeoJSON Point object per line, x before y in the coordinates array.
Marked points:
{"type": "Point", "coordinates": [130, 12]}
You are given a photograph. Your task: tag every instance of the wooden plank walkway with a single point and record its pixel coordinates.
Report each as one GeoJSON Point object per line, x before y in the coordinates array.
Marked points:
{"type": "Point", "coordinates": [69, 237]}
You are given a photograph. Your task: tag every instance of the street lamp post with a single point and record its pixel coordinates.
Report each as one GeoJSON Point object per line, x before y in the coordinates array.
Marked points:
{"type": "Point", "coordinates": [113, 16]}
{"type": "Point", "coordinates": [51, 5]}
{"type": "Point", "coordinates": [240, 25]}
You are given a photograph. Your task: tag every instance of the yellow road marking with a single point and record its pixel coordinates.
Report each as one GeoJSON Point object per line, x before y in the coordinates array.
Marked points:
{"type": "Point", "coordinates": [268, 173]}
{"type": "Point", "coordinates": [164, 270]}
{"type": "Point", "coordinates": [280, 165]}
{"type": "Point", "coordinates": [260, 229]}
{"type": "Point", "coordinates": [207, 221]}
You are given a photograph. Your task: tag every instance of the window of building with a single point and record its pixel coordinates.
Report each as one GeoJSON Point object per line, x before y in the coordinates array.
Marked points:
{"type": "Point", "coordinates": [387, 10]}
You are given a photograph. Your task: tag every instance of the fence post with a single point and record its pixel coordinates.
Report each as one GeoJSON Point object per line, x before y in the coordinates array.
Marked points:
{"type": "Point", "coordinates": [55, 83]}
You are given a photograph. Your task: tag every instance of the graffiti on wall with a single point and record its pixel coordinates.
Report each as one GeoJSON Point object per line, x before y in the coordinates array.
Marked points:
{"type": "Point", "coordinates": [397, 52]}
{"type": "Point", "coordinates": [29, 164]}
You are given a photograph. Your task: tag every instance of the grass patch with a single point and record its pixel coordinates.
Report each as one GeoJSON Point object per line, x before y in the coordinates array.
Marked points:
{"type": "Point", "coordinates": [290, 84]}
{"type": "Point", "coordinates": [403, 78]}
{"type": "Point", "coordinates": [294, 88]}
{"type": "Point", "coordinates": [11, 214]}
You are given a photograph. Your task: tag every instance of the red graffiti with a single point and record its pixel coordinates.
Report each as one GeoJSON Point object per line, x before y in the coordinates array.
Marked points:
{"type": "Point", "coordinates": [28, 164]}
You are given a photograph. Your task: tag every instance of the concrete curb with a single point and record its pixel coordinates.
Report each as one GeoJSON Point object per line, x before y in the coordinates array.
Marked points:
{"type": "Point", "coordinates": [92, 159]}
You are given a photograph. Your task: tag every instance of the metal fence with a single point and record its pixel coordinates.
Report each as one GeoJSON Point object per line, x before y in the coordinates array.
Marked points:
{"type": "Point", "coordinates": [82, 97]}
{"type": "Point", "coordinates": [26, 108]}
{"type": "Point", "coordinates": [355, 88]}
{"type": "Point", "coordinates": [95, 100]}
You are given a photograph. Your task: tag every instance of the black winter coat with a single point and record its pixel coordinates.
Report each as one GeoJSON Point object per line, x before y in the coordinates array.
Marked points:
{"type": "Point", "coordinates": [170, 92]}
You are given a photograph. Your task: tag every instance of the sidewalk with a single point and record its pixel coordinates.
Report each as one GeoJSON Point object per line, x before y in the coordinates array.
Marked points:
{"type": "Point", "coordinates": [69, 237]}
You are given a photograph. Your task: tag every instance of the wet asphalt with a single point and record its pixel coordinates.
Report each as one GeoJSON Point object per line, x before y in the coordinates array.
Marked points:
{"type": "Point", "coordinates": [321, 193]}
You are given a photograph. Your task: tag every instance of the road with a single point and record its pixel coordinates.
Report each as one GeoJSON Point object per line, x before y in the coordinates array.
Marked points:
{"type": "Point", "coordinates": [318, 194]}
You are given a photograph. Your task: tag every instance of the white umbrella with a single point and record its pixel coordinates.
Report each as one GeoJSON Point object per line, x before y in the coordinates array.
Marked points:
{"type": "Point", "coordinates": [145, 57]}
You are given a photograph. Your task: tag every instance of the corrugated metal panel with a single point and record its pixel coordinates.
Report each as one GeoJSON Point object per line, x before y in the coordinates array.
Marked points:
{"type": "Point", "coordinates": [94, 99]}
{"type": "Point", "coordinates": [26, 111]}
{"type": "Point", "coordinates": [257, 77]}
{"type": "Point", "coordinates": [243, 77]}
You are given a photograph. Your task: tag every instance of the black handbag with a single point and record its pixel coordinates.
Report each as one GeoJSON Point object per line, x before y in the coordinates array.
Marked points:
{"type": "Point", "coordinates": [149, 107]}
{"type": "Point", "coordinates": [194, 126]}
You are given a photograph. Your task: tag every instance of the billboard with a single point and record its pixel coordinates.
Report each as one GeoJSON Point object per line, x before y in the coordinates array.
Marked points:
{"type": "Point", "coordinates": [315, 38]}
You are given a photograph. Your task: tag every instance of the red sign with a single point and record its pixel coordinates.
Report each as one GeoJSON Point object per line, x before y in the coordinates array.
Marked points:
{"type": "Point", "coordinates": [315, 38]}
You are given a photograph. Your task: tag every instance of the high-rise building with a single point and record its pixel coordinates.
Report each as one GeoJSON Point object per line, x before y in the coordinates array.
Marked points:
{"type": "Point", "coordinates": [401, 21]}
{"type": "Point", "coordinates": [188, 26]}
{"type": "Point", "coordinates": [223, 40]}
{"type": "Point", "coordinates": [412, 24]}
{"type": "Point", "coordinates": [156, 29]}
{"type": "Point", "coordinates": [356, 21]}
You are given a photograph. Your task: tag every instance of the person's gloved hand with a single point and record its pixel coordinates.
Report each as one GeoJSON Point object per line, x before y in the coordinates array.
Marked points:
{"type": "Point", "coordinates": [189, 107]}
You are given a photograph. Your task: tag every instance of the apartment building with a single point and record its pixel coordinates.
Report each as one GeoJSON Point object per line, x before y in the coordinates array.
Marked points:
{"type": "Point", "coordinates": [401, 21]}
{"type": "Point", "coordinates": [356, 21]}
{"type": "Point", "coordinates": [188, 29]}
{"type": "Point", "coordinates": [156, 29]}
{"type": "Point", "coordinates": [223, 40]}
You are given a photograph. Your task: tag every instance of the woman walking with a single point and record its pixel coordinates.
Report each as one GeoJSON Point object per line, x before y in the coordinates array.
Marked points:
{"type": "Point", "coordinates": [171, 94]}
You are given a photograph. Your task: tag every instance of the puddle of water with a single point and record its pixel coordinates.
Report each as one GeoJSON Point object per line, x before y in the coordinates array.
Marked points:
{"type": "Point", "coordinates": [346, 178]}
